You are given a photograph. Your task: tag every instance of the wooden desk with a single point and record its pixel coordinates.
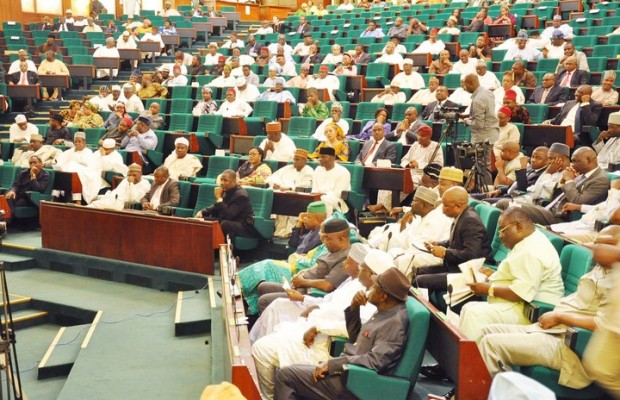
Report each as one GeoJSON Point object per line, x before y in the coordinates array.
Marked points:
{"type": "Point", "coordinates": [242, 371]}
{"type": "Point", "coordinates": [129, 54]}
{"type": "Point", "coordinates": [205, 27]}
{"type": "Point", "coordinates": [110, 63]}
{"type": "Point", "coordinates": [546, 135]}
{"type": "Point", "coordinates": [292, 203]}
{"type": "Point", "coordinates": [171, 40]}
{"type": "Point", "coordinates": [394, 179]}
{"type": "Point", "coordinates": [220, 23]}
{"type": "Point", "coordinates": [458, 356]}
{"type": "Point", "coordinates": [82, 71]}
{"type": "Point", "coordinates": [55, 81]}
{"type": "Point", "coordinates": [27, 92]}
{"type": "Point", "coordinates": [187, 33]}
{"type": "Point", "coordinates": [132, 236]}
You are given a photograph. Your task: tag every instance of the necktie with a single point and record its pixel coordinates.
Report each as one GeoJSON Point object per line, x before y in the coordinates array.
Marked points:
{"type": "Point", "coordinates": [300, 29]}
{"type": "Point", "coordinates": [23, 80]}
{"type": "Point", "coordinates": [544, 96]}
{"type": "Point", "coordinates": [566, 80]}
{"type": "Point", "coordinates": [578, 120]}
{"type": "Point", "coordinates": [451, 233]}
{"type": "Point", "coordinates": [372, 149]}
{"type": "Point", "coordinates": [578, 181]}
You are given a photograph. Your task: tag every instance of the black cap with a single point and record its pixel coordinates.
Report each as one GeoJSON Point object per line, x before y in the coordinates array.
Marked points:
{"type": "Point", "coordinates": [328, 151]}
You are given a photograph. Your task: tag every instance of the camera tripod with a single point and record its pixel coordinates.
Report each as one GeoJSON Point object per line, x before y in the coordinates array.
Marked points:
{"type": "Point", "coordinates": [477, 179]}
{"type": "Point", "coordinates": [448, 132]}
{"type": "Point", "coordinates": [9, 367]}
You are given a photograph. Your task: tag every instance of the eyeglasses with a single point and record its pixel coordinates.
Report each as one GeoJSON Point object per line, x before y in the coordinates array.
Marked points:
{"type": "Point", "coordinates": [501, 231]}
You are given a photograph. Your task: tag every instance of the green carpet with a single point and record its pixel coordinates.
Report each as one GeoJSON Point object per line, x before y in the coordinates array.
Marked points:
{"type": "Point", "coordinates": [129, 356]}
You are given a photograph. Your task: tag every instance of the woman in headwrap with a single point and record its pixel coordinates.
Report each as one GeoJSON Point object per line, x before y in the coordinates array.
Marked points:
{"type": "Point", "coordinates": [88, 117]}
{"type": "Point", "coordinates": [117, 116]}
{"type": "Point", "coordinates": [254, 171]}
{"type": "Point", "coordinates": [69, 113]}
{"type": "Point", "coordinates": [335, 140]}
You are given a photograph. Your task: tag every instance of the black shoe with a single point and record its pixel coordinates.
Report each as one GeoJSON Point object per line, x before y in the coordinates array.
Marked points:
{"type": "Point", "coordinates": [433, 372]}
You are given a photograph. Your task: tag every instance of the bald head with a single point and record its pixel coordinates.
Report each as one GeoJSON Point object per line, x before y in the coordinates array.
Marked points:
{"type": "Point", "coordinates": [471, 82]}
{"type": "Point", "coordinates": [455, 201]}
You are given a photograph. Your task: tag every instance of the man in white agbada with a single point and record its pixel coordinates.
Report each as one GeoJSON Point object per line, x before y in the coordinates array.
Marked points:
{"type": "Point", "coordinates": [21, 130]}
{"type": "Point", "coordinates": [421, 153]}
{"type": "Point", "coordinates": [531, 271]}
{"type": "Point", "coordinates": [431, 45]}
{"type": "Point", "coordinates": [607, 145]}
{"type": "Point", "coordinates": [77, 159]}
{"type": "Point", "coordinates": [152, 36]}
{"type": "Point", "coordinates": [390, 96]}
{"type": "Point", "coordinates": [212, 56]}
{"type": "Point", "coordinates": [179, 163]}
{"type": "Point", "coordinates": [277, 146]}
{"type": "Point", "coordinates": [107, 159]}
{"type": "Point", "coordinates": [46, 153]}
{"type": "Point", "coordinates": [23, 57]}
{"type": "Point", "coordinates": [425, 224]}
{"type": "Point", "coordinates": [107, 51]}
{"type": "Point", "coordinates": [132, 102]}
{"type": "Point", "coordinates": [330, 178]}
{"type": "Point", "coordinates": [294, 338]}
{"type": "Point", "coordinates": [465, 65]}
{"type": "Point", "coordinates": [131, 190]}
{"type": "Point", "coordinates": [325, 81]}
{"type": "Point", "coordinates": [425, 96]}
{"type": "Point", "coordinates": [391, 56]}
{"type": "Point", "coordinates": [488, 79]}
{"type": "Point", "coordinates": [406, 241]}
{"type": "Point", "coordinates": [290, 177]}
{"type": "Point", "coordinates": [131, 7]}
{"type": "Point", "coordinates": [246, 91]}
{"type": "Point", "coordinates": [233, 107]}
{"type": "Point", "coordinates": [409, 78]}
{"type": "Point", "coordinates": [583, 230]}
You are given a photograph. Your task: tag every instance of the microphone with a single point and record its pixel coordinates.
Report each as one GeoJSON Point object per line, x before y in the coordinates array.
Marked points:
{"type": "Point", "coordinates": [408, 268]}
{"type": "Point", "coordinates": [450, 290]}
{"type": "Point", "coordinates": [387, 245]}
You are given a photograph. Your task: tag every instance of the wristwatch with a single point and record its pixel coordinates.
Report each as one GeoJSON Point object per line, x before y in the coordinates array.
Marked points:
{"type": "Point", "coordinates": [219, 200]}
{"type": "Point", "coordinates": [491, 292]}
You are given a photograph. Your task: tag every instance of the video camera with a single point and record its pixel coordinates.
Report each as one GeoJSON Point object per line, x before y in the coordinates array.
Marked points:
{"type": "Point", "coordinates": [472, 150]}
{"type": "Point", "coordinates": [449, 114]}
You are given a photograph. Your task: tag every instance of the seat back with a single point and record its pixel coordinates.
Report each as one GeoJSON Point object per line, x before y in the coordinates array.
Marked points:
{"type": "Point", "coordinates": [538, 112]}
{"type": "Point", "coordinates": [217, 165]}
{"type": "Point", "coordinates": [411, 359]}
{"type": "Point", "coordinates": [366, 110]}
{"type": "Point", "coordinates": [181, 92]}
{"type": "Point", "coordinates": [266, 109]}
{"type": "Point", "coordinates": [576, 261]}
{"type": "Point", "coordinates": [205, 197]}
{"type": "Point", "coordinates": [8, 173]}
{"type": "Point", "coordinates": [184, 189]}
{"type": "Point", "coordinates": [210, 123]}
{"type": "Point", "coordinates": [181, 122]}
{"type": "Point", "coordinates": [489, 216]}
{"type": "Point", "coordinates": [93, 135]}
{"type": "Point", "coordinates": [301, 126]}
{"type": "Point", "coordinates": [306, 143]}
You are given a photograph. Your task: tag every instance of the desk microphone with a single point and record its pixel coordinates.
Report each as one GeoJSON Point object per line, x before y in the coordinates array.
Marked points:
{"type": "Point", "coordinates": [387, 245]}
{"type": "Point", "coordinates": [450, 290]}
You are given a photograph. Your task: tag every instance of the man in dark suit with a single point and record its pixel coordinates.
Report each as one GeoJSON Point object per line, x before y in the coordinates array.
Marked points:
{"type": "Point", "coordinates": [232, 208]}
{"type": "Point", "coordinates": [526, 176]}
{"type": "Point", "coordinates": [441, 94]}
{"type": "Point", "coordinates": [572, 76]}
{"type": "Point", "coordinates": [163, 193]}
{"type": "Point", "coordinates": [63, 26]}
{"type": "Point", "coordinates": [587, 113]}
{"type": "Point", "coordinates": [377, 148]}
{"type": "Point", "coordinates": [23, 76]}
{"type": "Point", "coordinates": [33, 179]}
{"type": "Point", "coordinates": [548, 93]}
{"type": "Point", "coordinates": [252, 47]}
{"type": "Point", "coordinates": [313, 57]}
{"type": "Point", "coordinates": [303, 26]}
{"type": "Point", "coordinates": [584, 182]}
{"type": "Point", "coordinates": [468, 240]}
{"type": "Point", "coordinates": [360, 56]}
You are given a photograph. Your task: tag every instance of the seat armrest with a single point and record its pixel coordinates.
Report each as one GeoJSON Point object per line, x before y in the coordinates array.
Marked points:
{"type": "Point", "coordinates": [535, 309]}
{"type": "Point", "coordinates": [368, 384]}
{"type": "Point", "coordinates": [37, 197]}
{"type": "Point", "coordinates": [316, 292]}
{"type": "Point", "coordinates": [155, 156]}
{"type": "Point", "coordinates": [577, 339]}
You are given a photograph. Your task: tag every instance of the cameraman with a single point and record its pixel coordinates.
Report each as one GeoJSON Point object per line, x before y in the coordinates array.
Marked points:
{"type": "Point", "coordinates": [482, 118]}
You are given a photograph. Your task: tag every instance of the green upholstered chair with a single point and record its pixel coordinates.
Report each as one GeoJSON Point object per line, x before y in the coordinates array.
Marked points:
{"type": "Point", "coordinates": [182, 210]}
{"type": "Point", "coordinates": [157, 154]}
{"type": "Point", "coordinates": [8, 173]}
{"type": "Point", "coordinates": [368, 384]}
{"type": "Point", "coordinates": [307, 143]}
{"type": "Point", "coordinates": [301, 126]}
{"type": "Point", "coordinates": [182, 106]}
{"type": "Point", "coordinates": [354, 149]}
{"type": "Point", "coordinates": [262, 201]}
{"type": "Point", "coordinates": [211, 127]}
{"type": "Point", "coordinates": [357, 195]}
{"type": "Point", "coordinates": [32, 211]}
{"type": "Point", "coordinates": [264, 112]}
{"type": "Point", "coordinates": [398, 111]}
{"type": "Point", "coordinates": [217, 165]}
{"type": "Point", "coordinates": [93, 135]}
{"type": "Point", "coordinates": [181, 122]}
{"type": "Point", "coordinates": [205, 197]}
{"type": "Point", "coordinates": [489, 216]}
{"type": "Point", "coordinates": [366, 110]}
{"type": "Point", "coordinates": [538, 112]}
{"type": "Point", "coordinates": [377, 75]}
